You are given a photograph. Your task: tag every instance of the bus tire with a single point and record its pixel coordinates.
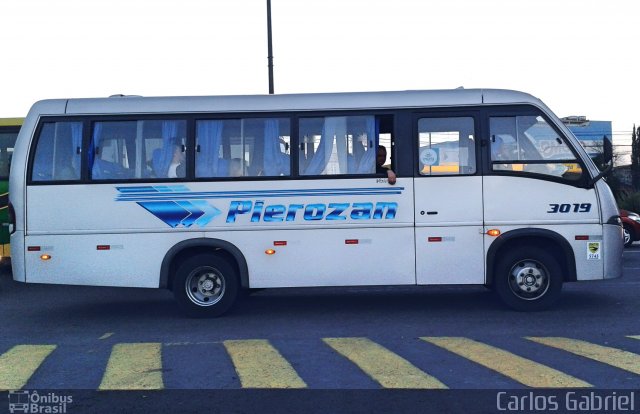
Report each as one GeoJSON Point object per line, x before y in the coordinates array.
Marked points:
{"type": "Point", "coordinates": [205, 285]}
{"type": "Point", "coordinates": [528, 279]}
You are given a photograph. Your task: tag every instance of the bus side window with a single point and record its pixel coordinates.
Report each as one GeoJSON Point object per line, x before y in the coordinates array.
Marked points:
{"type": "Point", "coordinates": [446, 146]}
{"type": "Point", "coordinates": [247, 147]}
{"type": "Point", "coordinates": [528, 144]}
{"type": "Point", "coordinates": [57, 154]}
{"type": "Point", "coordinates": [342, 145]}
{"type": "Point", "coordinates": [125, 150]}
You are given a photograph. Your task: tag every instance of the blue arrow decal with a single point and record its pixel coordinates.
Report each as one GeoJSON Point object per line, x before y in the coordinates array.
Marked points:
{"type": "Point", "coordinates": [209, 212]}
{"type": "Point", "coordinates": [194, 213]}
{"type": "Point", "coordinates": [185, 213]}
{"type": "Point", "coordinates": [168, 211]}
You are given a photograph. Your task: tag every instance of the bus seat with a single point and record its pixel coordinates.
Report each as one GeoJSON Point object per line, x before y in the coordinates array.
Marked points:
{"type": "Point", "coordinates": [106, 170]}
{"type": "Point", "coordinates": [206, 170]}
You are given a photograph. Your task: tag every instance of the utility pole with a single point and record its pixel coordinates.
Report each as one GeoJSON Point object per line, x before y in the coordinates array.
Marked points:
{"type": "Point", "coordinates": [269, 47]}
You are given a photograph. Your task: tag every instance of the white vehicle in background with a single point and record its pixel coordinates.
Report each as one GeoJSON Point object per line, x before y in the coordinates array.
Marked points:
{"type": "Point", "coordinates": [210, 195]}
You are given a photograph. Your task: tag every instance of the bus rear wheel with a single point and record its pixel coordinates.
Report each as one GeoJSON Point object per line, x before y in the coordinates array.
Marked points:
{"type": "Point", "coordinates": [205, 285]}
{"type": "Point", "coordinates": [528, 279]}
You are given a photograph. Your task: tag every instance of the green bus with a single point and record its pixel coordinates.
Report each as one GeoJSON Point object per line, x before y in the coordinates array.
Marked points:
{"type": "Point", "coordinates": [9, 128]}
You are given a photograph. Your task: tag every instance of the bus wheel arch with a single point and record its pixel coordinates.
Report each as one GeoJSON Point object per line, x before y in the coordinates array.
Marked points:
{"type": "Point", "coordinates": [542, 254]}
{"type": "Point", "coordinates": [188, 248]}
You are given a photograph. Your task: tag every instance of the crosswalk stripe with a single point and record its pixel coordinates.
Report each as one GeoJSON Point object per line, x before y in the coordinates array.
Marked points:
{"type": "Point", "coordinates": [135, 366]}
{"type": "Point", "coordinates": [525, 371]}
{"type": "Point", "coordinates": [260, 365]}
{"type": "Point", "coordinates": [19, 363]}
{"type": "Point", "coordinates": [618, 358]}
{"type": "Point", "coordinates": [387, 368]}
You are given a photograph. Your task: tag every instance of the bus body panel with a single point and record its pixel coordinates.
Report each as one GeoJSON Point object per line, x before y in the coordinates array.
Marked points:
{"type": "Point", "coordinates": [526, 202]}
{"type": "Point", "coordinates": [9, 129]}
{"type": "Point", "coordinates": [230, 205]}
{"type": "Point", "coordinates": [449, 218]}
{"type": "Point", "coordinates": [435, 263]}
{"type": "Point", "coordinates": [18, 173]}
{"type": "Point", "coordinates": [317, 219]}
{"type": "Point", "coordinates": [17, 261]}
{"type": "Point", "coordinates": [510, 200]}
{"type": "Point", "coordinates": [613, 244]}
{"type": "Point", "coordinates": [329, 257]}
{"type": "Point", "coordinates": [608, 205]}
{"type": "Point", "coordinates": [586, 268]}
{"type": "Point", "coordinates": [126, 260]}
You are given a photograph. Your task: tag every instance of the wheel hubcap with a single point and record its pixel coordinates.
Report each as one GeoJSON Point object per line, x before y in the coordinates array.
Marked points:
{"type": "Point", "coordinates": [627, 236]}
{"type": "Point", "coordinates": [205, 286]}
{"type": "Point", "coordinates": [529, 279]}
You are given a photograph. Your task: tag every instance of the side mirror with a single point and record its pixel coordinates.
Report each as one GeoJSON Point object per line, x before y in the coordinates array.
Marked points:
{"type": "Point", "coordinates": [603, 173]}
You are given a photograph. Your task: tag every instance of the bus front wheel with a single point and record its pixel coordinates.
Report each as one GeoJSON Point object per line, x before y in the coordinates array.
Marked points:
{"type": "Point", "coordinates": [205, 285]}
{"type": "Point", "coordinates": [528, 279]}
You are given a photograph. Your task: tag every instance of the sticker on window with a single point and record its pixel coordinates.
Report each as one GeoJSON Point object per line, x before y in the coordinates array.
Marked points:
{"type": "Point", "coordinates": [593, 251]}
{"type": "Point", "coordinates": [429, 156]}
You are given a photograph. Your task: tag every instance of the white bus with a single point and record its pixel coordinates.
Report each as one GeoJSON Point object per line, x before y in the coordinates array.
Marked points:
{"type": "Point", "coordinates": [207, 196]}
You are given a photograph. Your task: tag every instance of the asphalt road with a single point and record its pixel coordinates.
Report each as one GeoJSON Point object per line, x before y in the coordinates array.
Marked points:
{"type": "Point", "coordinates": [461, 338]}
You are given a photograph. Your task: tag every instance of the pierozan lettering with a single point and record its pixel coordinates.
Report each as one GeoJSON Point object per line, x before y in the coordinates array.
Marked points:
{"type": "Point", "coordinates": [259, 212]}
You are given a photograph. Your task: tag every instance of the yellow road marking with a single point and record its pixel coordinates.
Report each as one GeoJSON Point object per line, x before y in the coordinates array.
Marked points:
{"type": "Point", "coordinates": [385, 367]}
{"type": "Point", "coordinates": [618, 358]}
{"type": "Point", "coordinates": [525, 371]}
{"type": "Point", "coordinates": [19, 363]}
{"type": "Point", "coordinates": [134, 367]}
{"type": "Point", "coordinates": [260, 365]}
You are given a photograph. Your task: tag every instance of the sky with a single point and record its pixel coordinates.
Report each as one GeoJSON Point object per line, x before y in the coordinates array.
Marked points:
{"type": "Point", "coordinates": [580, 57]}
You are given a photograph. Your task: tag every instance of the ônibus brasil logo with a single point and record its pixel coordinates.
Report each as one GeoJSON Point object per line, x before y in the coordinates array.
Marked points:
{"type": "Point", "coordinates": [23, 401]}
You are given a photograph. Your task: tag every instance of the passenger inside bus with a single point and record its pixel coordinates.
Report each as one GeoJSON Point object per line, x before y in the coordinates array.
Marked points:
{"type": "Point", "coordinates": [237, 168]}
{"type": "Point", "coordinates": [177, 167]}
{"type": "Point", "coordinates": [501, 152]}
{"type": "Point", "coordinates": [381, 157]}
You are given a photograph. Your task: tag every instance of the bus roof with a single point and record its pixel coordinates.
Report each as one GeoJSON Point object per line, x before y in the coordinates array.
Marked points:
{"type": "Point", "coordinates": [275, 103]}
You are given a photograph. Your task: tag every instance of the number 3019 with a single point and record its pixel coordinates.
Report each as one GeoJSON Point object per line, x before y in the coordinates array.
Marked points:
{"type": "Point", "coordinates": [569, 208]}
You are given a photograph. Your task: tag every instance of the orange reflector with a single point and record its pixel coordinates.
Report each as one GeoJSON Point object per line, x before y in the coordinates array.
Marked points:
{"type": "Point", "coordinates": [33, 248]}
{"type": "Point", "coordinates": [351, 241]}
{"type": "Point", "coordinates": [493, 232]}
{"type": "Point", "coordinates": [434, 239]}
{"type": "Point", "coordinates": [582, 237]}
{"type": "Point", "coordinates": [45, 257]}
{"type": "Point", "coordinates": [103, 247]}
{"type": "Point", "coordinates": [270, 251]}
{"type": "Point", "coordinates": [280, 243]}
